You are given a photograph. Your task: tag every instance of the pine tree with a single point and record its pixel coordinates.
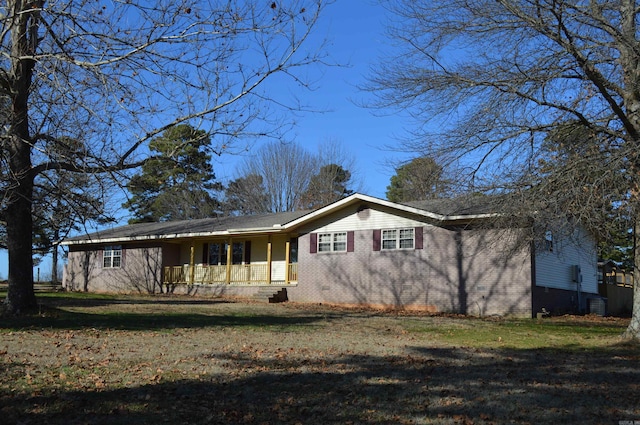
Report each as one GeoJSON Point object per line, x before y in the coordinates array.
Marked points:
{"type": "Point", "coordinates": [327, 186]}
{"type": "Point", "coordinates": [178, 182]}
{"type": "Point", "coordinates": [419, 179]}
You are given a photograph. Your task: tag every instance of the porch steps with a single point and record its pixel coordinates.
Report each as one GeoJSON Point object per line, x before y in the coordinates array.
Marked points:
{"type": "Point", "coordinates": [271, 294]}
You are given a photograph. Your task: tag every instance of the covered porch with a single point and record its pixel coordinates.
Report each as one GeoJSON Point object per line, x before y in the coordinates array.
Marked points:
{"type": "Point", "coordinates": [257, 260]}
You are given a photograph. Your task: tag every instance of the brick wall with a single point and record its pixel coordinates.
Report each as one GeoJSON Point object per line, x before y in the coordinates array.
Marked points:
{"type": "Point", "coordinates": [456, 271]}
{"type": "Point", "coordinates": [140, 271]}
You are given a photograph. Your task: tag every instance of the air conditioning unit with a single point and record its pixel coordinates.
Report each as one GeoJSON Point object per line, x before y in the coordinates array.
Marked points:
{"type": "Point", "coordinates": [598, 306]}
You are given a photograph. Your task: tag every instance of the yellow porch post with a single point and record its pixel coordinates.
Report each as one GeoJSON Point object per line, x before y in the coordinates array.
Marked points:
{"type": "Point", "coordinates": [287, 258]}
{"type": "Point", "coordinates": [229, 259]}
{"type": "Point", "coordinates": [269, 260]}
{"type": "Point", "coordinates": [192, 263]}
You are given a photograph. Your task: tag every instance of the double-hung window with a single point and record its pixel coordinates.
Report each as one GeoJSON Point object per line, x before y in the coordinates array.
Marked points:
{"type": "Point", "coordinates": [398, 239]}
{"type": "Point", "coordinates": [112, 256]}
{"type": "Point", "coordinates": [332, 242]}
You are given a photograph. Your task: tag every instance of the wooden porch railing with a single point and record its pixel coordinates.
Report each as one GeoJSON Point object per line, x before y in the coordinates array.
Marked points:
{"type": "Point", "coordinates": [293, 272]}
{"type": "Point", "coordinates": [617, 278]}
{"type": "Point", "coordinates": [239, 273]}
{"type": "Point", "coordinates": [175, 274]}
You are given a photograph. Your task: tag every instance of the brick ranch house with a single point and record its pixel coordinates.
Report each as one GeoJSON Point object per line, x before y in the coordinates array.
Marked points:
{"type": "Point", "coordinates": [361, 250]}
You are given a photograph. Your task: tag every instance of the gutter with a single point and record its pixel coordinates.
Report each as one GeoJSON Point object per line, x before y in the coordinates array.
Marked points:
{"type": "Point", "coordinates": [174, 236]}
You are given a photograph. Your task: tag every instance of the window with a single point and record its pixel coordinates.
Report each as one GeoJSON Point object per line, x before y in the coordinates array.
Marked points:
{"type": "Point", "coordinates": [406, 239]}
{"type": "Point", "coordinates": [332, 242]}
{"type": "Point", "coordinates": [237, 251]}
{"type": "Point", "coordinates": [548, 241]}
{"type": "Point", "coordinates": [389, 239]}
{"type": "Point", "coordinates": [112, 256]}
{"type": "Point", "coordinates": [398, 239]}
{"type": "Point", "coordinates": [218, 253]}
{"type": "Point", "coordinates": [293, 250]}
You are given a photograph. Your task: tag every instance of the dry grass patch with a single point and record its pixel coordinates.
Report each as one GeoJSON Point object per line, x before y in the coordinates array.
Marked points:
{"type": "Point", "coordinates": [117, 360]}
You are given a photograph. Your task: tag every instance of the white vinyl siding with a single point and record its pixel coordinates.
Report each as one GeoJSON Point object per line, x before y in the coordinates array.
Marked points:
{"type": "Point", "coordinates": [555, 269]}
{"type": "Point", "coordinates": [353, 221]}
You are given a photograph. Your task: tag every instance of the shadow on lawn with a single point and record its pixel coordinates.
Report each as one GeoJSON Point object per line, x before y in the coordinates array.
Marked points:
{"type": "Point", "coordinates": [428, 385]}
{"type": "Point", "coordinates": [93, 300]}
{"type": "Point", "coordinates": [63, 319]}
{"type": "Point", "coordinates": [54, 314]}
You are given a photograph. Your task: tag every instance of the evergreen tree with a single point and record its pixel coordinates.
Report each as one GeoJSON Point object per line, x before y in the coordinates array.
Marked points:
{"type": "Point", "coordinates": [178, 182]}
{"type": "Point", "coordinates": [579, 173]}
{"type": "Point", "coordinates": [419, 179]}
{"type": "Point", "coordinates": [66, 202]}
{"type": "Point", "coordinates": [246, 196]}
{"type": "Point", "coordinates": [327, 186]}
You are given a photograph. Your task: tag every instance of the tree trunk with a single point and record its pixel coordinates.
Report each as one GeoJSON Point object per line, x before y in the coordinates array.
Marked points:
{"type": "Point", "coordinates": [19, 222]}
{"type": "Point", "coordinates": [54, 263]}
{"type": "Point", "coordinates": [20, 295]}
{"type": "Point", "coordinates": [631, 65]}
{"type": "Point", "coordinates": [633, 331]}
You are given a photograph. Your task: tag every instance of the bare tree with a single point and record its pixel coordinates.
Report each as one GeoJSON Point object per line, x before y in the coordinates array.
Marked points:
{"type": "Point", "coordinates": [488, 81]}
{"type": "Point", "coordinates": [579, 174]}
{"type": "Point", "coordinates": [111, 73]}
{"type": "Point", "coordinates": [285, 169]}
{"type": "Point", "coordinates": [286, 177]}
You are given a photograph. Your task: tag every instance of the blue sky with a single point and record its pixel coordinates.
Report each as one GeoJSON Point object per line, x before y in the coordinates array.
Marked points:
{"type": "Point", "coordinates": [355, 31]}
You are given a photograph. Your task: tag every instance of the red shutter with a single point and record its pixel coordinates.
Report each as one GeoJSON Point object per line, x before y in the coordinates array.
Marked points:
{"type": "Point", "coordinates": [350, 241]}
{"type": "Point", "coordinates": [419, 238]}
{"type": "Point", "coordinates": [205, 254]}
{"type": "Point", "coordinates": [313, 243]}
{"type": "Point", "coordinates": [377, 235]}
{"type": "Point", "coordinates": [247, 252]}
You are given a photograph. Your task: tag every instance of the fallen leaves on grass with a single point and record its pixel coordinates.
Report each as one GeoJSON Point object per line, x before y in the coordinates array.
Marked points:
{"type": "Point", "coordinates": [346, 366]}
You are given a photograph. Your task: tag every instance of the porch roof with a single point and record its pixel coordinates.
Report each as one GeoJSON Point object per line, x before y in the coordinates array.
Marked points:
{"type": "Point", "coordinates": [222, 226]}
